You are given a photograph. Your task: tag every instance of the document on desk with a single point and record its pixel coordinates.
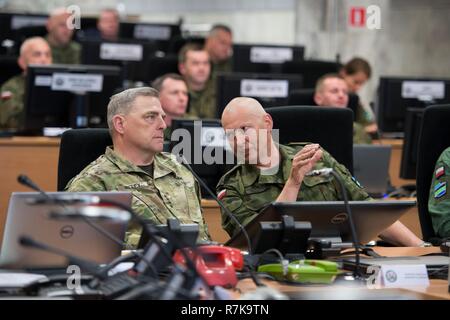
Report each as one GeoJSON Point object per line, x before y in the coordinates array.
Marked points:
{"type": "Point", "coordinates": [18, 280]}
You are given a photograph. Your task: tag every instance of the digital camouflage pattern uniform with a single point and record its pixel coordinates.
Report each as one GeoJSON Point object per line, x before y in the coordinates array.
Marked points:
{"type": "Point", "coordinates": [439, 199]}
{"type": "Point", "coordinates": [172, 192]}
{"type": "Point", "coordinates": [220, 67]}
{"type": "Point", "coordinates": [202, 104]}
{"type": "Point", "coordinates": [245, 191]}
{"type": "Point", "coordinates": [11, 103]}
{"type": "Point", "coordinates": [69, 54]}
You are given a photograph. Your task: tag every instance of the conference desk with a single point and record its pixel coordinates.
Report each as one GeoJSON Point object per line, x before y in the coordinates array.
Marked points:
{"type": "Point", "coordinates": [37, 157]}
{"type": "Point", "coordinates": [438, 288]}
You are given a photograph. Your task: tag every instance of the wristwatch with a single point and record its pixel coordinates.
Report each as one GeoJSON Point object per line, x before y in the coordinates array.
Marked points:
{"type": "Point", "coordinates": [425, 244]}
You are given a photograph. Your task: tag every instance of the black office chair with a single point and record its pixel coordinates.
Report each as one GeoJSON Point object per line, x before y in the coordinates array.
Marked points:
{"type": "Point", "coordinates": [9, 67]}
{"type": "Point", "coordinates": [78, 148]}
{"type": "Point", "coordinates": [332, 128]}
{"type": "Point", "coordinates": [433, 139]}
{"type": "Point", "coordinates": [305, 97]}
{"type": "Point", "coordinates": [158, 66]}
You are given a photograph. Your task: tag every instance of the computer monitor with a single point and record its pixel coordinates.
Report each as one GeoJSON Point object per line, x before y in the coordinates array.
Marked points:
{"type": "Point", "coordinates": [131, 55]}
{"type": "Point", "coordinates": [396, 94]}
{"type": "Point", "coordinates": [310, 70]}
{"type": "Point", "coordinates": [68, 95]}
{"type": "Point", "coordinates": [204, 146]}
{"type": "Point", "coordinates": [329, 219]}
{"type": "Point", "coordinates": [159, 33]}
{"type": "Point", "coordinates": [29, 216]}
{"type": "Point", "coordinates": [271, 90]}
{"type": "Point", "coordinates": [262, 58]}
{"type": "Point", "coordinates": [410, 151]}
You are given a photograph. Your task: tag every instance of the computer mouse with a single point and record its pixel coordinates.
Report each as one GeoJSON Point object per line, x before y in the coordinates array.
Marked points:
{"type": "Point", "coordinates": [445, 246]}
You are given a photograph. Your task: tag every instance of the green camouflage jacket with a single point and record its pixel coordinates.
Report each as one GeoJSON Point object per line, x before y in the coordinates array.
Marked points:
{"type": "Point", "coordinates": [202, 104]}
{"type": "Point", "coordinates": [171, 193]}
{"type": "Point", "coordinates": [360, 136]}
{"type": "Point", "coordinates": [245, 191]}
{"type": "Point", "coordinates": [11, 103]}
{"type": "Point", "coordinates": [69, 54]}
{"type": "Point", "coordinates": [439, 199]}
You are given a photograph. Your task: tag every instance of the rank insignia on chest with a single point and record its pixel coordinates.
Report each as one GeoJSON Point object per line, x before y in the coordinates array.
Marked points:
{"type": "Point", "coordinates": [439, 172]}
{"type": "Point", "coordinates": [440, 190]}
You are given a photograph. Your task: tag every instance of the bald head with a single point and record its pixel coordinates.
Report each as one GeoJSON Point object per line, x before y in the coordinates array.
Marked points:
{"type": "Point", "coordinates": [59, 33]}
{"type": "Point", "coordinates": [34, 51]}
{"type": "Point", "coordinates": [243, 108]}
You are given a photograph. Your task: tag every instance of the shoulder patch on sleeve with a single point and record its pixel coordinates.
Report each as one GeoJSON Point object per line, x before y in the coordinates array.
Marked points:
{"type": "Point", "coordinates": [5, 95]}
{"type": "Point", "coordinates": [356, 182]}
{"type": "Point", "coordinates": [222, 194]}
{"type": "Point", "coordinates": [439, 172]}
{"type": "Point", "coordinates": [440, 189]}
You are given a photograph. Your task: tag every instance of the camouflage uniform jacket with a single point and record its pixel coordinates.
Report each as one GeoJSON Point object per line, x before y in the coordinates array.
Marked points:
{"type": "Point", "coordinates": [439, 199]}
{"type": "Point", "coordinates": [11, 103]}
{"type": "Point", "coordinates": [245, 191]}
{"type": "Point", "coordinates": [202, 104]}
{"type": "Point", "coordinates": [172, 192]}
{"type": "Point", "coordinates": [69, 54]}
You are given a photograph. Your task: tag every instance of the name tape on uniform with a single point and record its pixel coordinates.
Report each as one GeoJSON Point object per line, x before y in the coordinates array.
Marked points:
{"type": "Point", "coordinates": [77, 82]}
{"type": "Point", "coordinates": [120, 51]}
{"type": "Point", "coordinates": [424, 90]}
{"type": "Point", "coordinates": [265, 88]}
{"type": "Point", "coordinates": [142, 31]}
{"type": "Point", "coordinates": [270, 55]}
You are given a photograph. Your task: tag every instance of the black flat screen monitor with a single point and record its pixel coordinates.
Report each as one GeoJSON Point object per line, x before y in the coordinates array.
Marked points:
{"type": "Point", "coordinates": [395, 95]}
{"type": "Point", "coordinates": [271, 90]}
{"type": "Point", "coordinates": [329, 219]}
{"type": "Point", "coordinates": [261, 58]}
{"type": "Point", "coordinates": [131, 55]}
{"type": "Point", "coordinates": [159, 33]}
{"type": "Point", "coordinates": [413, 124]}
{"type": "Point", "coordinates": [50, 99]}
{"type": "Point", "coordinates": [203, 145]}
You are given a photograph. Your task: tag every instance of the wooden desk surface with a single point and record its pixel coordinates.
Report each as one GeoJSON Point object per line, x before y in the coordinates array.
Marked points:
{"type": "Point", "coordinates": [438, 289]}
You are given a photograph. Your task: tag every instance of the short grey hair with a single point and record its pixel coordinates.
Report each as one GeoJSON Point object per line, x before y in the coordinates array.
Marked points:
{"type": "Point", "coordinates": [121, 102]}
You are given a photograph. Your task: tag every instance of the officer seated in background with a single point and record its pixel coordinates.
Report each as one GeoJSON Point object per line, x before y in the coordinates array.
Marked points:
{"type": "Point", "coordinates": [162, 188]}
{"type": "Point", "coordinates": [439, 199]}
{"type": "Point", "coordinates": [195, 67]}
{"type": "Point", "coordinates": [32, 51]}
{"type": "Point", "coordinates": [219, 44]}
{"type": "Point", "coordinates": [270, 172]}
{"type": "Point", "coordinates": [332, 91]}
{"type": "Point", "coordinates": [59, 37]}
{"type": "Point", "coordinates": [173, 94]}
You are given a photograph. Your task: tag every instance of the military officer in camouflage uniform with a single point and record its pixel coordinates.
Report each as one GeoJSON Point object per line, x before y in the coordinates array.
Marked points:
{"type": "Point", "coordinates": [32, 51]}
{"type": "Point", "coordinates": [356, 73]}
{"type": "Point", "coordinates": [269, 172]}
{"type": "Point", "coordinates": [439, 199]}
{"type": "Point", "coordinates": [173, 94]}
{"type": "Point", "coordinates": [59, 37]}
{"type": "Point", "coordinates": [332, 91]}
{"type": "Point", "coordinates": [162, 188]}
{"type": "Point", "coordinates": [219, 44]}
{"type": "Point", "coordinates": [195, 67]}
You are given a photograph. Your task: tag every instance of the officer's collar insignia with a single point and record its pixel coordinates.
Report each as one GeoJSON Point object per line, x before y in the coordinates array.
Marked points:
{"type": "Point", "coordinates": [440, 189]}
{"type": "Point", "coordinates": [439, 172]}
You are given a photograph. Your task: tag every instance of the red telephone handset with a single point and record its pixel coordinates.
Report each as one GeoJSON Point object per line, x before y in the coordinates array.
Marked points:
{"type": "Point", "coordinates": [217, 264]}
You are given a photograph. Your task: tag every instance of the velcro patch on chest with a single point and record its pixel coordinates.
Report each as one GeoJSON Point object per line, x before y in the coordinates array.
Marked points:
{"type": "Point", "coordinates": [137, 185]}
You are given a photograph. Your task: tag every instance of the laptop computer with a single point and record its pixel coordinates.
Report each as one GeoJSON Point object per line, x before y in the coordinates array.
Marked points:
{"type": "Point", "coordinates": [371, 167]}
{"type": "Point", "coordinates": [329, 220]}
{"type": "Point", "coordinates": [27, 216]}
